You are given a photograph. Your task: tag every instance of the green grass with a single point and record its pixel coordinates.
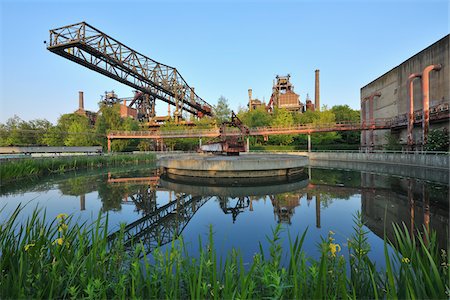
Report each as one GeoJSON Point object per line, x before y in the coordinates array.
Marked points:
{"type": "Point", "coordinates": [36, 167]}
{"type": "Point", "coordinates": [61, 259]}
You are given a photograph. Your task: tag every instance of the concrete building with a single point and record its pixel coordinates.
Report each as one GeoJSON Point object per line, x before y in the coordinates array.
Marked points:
{"type": "Point", "coordinates": [388, 97]}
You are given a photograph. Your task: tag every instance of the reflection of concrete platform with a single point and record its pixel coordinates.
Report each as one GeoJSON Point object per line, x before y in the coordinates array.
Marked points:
{"type": "Point", "coordinates": [230, 187]}
{"type": "Point", "coordinates": [248, 166]}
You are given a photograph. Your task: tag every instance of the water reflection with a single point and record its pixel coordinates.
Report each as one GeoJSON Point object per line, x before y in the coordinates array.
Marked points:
{"type": "Point", "coordinates": [157, 208]}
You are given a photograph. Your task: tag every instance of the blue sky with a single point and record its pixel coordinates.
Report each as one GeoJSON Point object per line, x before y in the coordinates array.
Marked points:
{"type": "Point", "coordinates": [219, 47]}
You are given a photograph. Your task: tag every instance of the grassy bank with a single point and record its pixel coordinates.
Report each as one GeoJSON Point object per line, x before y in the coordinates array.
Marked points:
{"type": "Point", "coordinates": [35, 167]}
{"type": "Point", "coordinates": [64, 260]}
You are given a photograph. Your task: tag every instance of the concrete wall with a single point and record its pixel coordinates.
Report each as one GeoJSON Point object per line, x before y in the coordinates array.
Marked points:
{"type": "Point", "coordinates": [423, 166]}
{"type": "Point", "coordinates": [393, 87]}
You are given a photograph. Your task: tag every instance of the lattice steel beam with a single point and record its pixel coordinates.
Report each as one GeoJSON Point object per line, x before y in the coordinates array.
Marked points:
{"type": "Point", "coordinates": [89, 47]}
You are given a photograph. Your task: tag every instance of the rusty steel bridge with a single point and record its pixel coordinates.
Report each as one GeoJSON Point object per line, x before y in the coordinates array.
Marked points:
{"type": "Point", "coordinates": [93, 49]}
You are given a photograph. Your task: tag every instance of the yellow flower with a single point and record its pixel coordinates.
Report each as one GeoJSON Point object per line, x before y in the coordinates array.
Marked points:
{"type": "Point", "coordinates": [334, 248]}
{"type": "Point", "coordinates": [331, 232]}
{"type": "Point", "coordinates": [62, 227]}
{"type": "Point", "coordinates": [406, 260]}
{"type": "Point", "coordinates": [59, 241]}
{"type": "Point", "coordinates": [62, 216]}
{"type": "Point", "coordinates": [28, 246]}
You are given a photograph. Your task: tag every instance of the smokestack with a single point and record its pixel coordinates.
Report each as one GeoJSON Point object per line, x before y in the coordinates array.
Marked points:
{"type": "Point", "coordinates": [317, 95]}
{"type": "Point", "coordinates": [80, 100]}
{"type": "Point", "coordinates": [249, 99]}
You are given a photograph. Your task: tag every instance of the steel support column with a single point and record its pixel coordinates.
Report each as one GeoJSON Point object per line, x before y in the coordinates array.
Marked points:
{"type": "Point", "coordinates": [411, 108]}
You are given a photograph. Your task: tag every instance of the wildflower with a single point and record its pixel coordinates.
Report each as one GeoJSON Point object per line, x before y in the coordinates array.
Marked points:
{"type": "Point", "coordinates": [62, 216]}
{"type": "Point", "coordinates": [406, 260]}
{"type": "Point", "coordinates": [334, 248]}
{"type": "Point", "coordinates": [62, 227]}
{"type": "Point", "coordinates": [331, 232]}
{"type": "Point", "coordinates": [28, 246]}
{"type": "Point", "coordinates": [58, 241]}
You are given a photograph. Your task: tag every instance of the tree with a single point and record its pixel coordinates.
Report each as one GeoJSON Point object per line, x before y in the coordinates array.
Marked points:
{"type": "Point", "coordinates": [282, 118]}
{"type": "Point", "coordinates": [438, 140]}
{"type": "Point", "coordinates": [256, 118]}
{"type": "Point", "coordinates": [344, 113]}
{"type": "Point", "coordinates": [222, 110]}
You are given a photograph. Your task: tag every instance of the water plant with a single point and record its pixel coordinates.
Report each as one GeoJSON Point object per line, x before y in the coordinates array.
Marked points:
{"type": "Point", "coordinates": [42, 258]}
{"type": "Point", "coordinates": [34, 167]}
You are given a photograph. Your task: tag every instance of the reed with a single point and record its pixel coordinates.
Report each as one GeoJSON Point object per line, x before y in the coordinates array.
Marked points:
{"type": "Point", "coordinates": [36, 167]}
{"type": "Point", "coordinates": [58, 258]}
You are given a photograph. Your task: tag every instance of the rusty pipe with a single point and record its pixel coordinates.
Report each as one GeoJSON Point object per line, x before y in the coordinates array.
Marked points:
{"type": "Point", "coordinates": [411, 107]}
{"type": "Point", "coordinates": [363, 121]}
{"type": "Point", "coordinates": [371, 120]}
{"type": "Point", "coordinates": [426, 99]}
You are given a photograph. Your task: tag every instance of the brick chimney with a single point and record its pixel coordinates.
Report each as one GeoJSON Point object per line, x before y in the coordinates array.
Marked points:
{"type": "Point", "coordinates": [317, 90]}
{"type": "Point", "coordinates": [249, 99]}
{"type": "Point", "coordinates": [80, 101]}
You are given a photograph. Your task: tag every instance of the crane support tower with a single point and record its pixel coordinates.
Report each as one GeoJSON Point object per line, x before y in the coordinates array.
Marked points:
{"type": "Point", "coordinates": [89, 47]}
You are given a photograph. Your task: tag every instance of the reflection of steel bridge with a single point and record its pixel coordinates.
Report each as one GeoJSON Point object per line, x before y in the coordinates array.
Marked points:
{"type": "Point", "coordinates": [163, 225]}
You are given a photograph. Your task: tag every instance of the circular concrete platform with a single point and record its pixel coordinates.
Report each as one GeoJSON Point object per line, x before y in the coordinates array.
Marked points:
{"type": "Point", "coordinates": [244, 166]}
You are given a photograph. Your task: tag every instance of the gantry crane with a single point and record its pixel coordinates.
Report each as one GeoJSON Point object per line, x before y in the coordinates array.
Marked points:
{"type": "Point", "coordinates": [89, 47]}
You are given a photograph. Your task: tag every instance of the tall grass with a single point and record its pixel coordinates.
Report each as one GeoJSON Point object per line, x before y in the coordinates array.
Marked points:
{"type": "Point", "coordinates": [61, 259]}
{"type": "Point", "coordinates": [35, 167]}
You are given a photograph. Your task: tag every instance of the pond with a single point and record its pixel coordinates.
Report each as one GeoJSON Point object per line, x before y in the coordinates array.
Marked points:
{"type": "Point", "coordinates": [242, 214]}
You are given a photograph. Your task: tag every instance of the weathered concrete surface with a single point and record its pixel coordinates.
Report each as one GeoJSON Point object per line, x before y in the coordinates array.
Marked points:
{"type": "Point", "coordinates": [423, 166]}
{"type": "Point", "coordinates": [186, 186]}
{"type": "Point", "coordinates": [201, 165]}
{"type": "Point", "coordinates": [393, 86]}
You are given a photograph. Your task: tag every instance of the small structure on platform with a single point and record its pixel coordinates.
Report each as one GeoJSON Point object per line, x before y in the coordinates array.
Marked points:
{"type": "Point", "coordinates": [229, 143]}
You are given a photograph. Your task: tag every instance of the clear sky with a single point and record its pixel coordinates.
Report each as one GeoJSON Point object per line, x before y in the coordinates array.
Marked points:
{"type": "Point", "coordinates": [219, 47]}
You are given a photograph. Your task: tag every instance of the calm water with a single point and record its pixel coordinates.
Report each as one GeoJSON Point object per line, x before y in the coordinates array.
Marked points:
{"type": "Point", "coordinates": [158, 208]}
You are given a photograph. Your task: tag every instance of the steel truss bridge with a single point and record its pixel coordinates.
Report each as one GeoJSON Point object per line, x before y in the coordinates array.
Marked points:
{"type": "Point", "coordinates": [437, 113]}
{"type": "Point", "coordinates": [89, 47]}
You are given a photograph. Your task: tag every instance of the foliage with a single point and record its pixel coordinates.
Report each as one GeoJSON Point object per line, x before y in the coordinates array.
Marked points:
{"type": "Point", "coordinates": [59, 259]}
{"type": "Point", "coordinates": [392, 142]}
{"type": "Point", "coordinates": [222, 111]}
{"type": "Point", "coordinates": [28, 167]}
{"type": "Point", "coordinates": [17, 132]}
{"type": "Point", "coordinates": [282, 118]}
{"type": "Point", "coordinates": [438, 140]}
{"type": "Point", "coordinates": [343, 113]}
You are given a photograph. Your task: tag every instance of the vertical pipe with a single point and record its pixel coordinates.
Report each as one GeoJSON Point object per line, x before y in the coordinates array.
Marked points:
{"type": "Point", "coordinates": [372, 121]}
{"type": "Point", "coordinates": [411, 108]}
{"type": "Point", "coordinates": [363, 123]}
{"type": "Point", "coordinates": [317, 92]}
{"type": "Point", "coordinates": [426, 99]}
{"type": "Point", "coordinates": [309, 142]}
{"type": "Point", "coordinates": [247, 146]}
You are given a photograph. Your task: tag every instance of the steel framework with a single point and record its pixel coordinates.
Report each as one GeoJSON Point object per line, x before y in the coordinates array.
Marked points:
{"type": "Point", "coordinates": [89, 47]}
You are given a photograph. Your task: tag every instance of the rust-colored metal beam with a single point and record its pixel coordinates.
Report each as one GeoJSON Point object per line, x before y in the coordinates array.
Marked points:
{"type": "Point", "coordinates": [89, 47]}
{"type": "Point", "coordinates": [426, 99]}
{"type": "Point", "coordinates": [411, 107]}
{"type": "Point", "coordinates": [371, 118]}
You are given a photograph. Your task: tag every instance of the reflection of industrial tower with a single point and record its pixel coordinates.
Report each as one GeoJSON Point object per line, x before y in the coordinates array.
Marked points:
{"type": "Point", "coordinates": [284, 206]}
